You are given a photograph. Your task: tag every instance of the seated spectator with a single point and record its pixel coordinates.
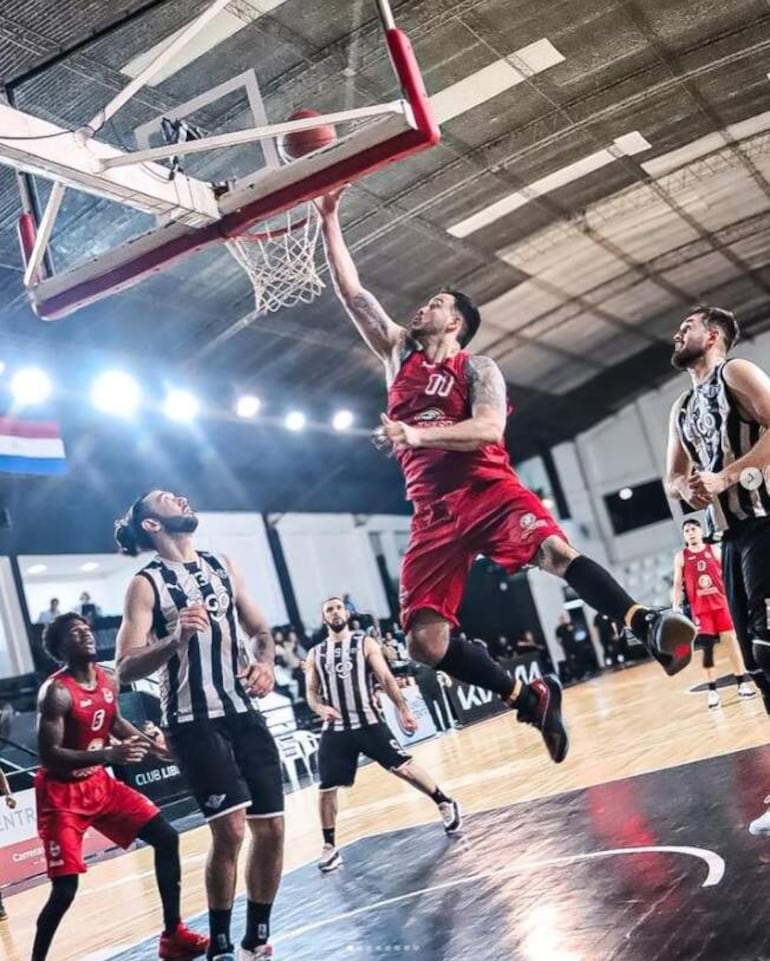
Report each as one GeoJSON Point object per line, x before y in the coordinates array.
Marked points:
{"type": "Point", "coordinates": [503, 647]}
{"type": "Point", "coordinates": [350, 604]}
{"type": "Point", "coordinates": [46, 616]}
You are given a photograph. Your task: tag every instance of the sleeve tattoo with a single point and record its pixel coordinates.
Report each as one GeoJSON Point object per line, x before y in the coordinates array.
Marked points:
{"type": "Point", "coordinates": [487, 385]}
{"type": "Point", "coordinates": [371, 316]}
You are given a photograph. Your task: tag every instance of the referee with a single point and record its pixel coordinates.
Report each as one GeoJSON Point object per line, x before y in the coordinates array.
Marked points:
{"type": "Point", "coordinates": [181, 619]}
{"type": "Point", "coordinates": [341, 673]}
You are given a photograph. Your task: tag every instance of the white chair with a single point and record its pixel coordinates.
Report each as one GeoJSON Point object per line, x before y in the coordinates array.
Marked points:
{"type": "Point", "coordinates": [308, 743]}
{"type": "Point", "coordinates": [292, 755]}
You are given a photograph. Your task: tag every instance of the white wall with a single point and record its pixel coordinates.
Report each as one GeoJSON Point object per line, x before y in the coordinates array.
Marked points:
{"type": "Point", "coordinates": [15, 655]}
{"type": "Point", "coordinates": [331, 554]}
{"type": "Point", "coordinates": [239, 535]}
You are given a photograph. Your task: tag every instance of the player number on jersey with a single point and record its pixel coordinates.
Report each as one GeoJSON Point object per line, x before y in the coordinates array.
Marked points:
{"type": "Point", "coordinates": [98, 720]}
{"type": "Point", "coordinates": [439, 385]}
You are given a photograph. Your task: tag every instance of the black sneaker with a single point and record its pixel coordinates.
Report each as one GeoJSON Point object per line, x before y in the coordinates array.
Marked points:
{"type": "Point", "coordinates": [668, 636]}
{"type": "Point", "coordinates": [539, 704]}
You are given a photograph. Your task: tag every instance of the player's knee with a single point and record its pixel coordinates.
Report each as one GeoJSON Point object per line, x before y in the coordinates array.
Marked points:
{"type": "Point", "coordinates": [555, 555]}
{"type": "Point", "coordinates": [161, 835]}
{"type": "Point", "coordinates": [228, 832]}
{"type": "Point", "coordinates": [428, 635]}
{"type": "Point", "coordinates": [267, 830]}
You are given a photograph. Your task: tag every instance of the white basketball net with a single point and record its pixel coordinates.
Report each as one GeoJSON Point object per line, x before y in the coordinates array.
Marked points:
{"type": "Point", "coordinates": [281, 265]}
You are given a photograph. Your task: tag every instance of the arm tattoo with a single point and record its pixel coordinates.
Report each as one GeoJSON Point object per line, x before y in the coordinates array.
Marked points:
{"type": "Point", "coordinates": [487, 385]}
{"type": "Point", "coordinates": [372, 318]}
{"type": "Point", "coordinates": [263, 645]}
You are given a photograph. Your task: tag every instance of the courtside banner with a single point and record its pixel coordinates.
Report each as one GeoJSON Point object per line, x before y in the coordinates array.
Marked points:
{"type": "Point", "coordinates": [473, 703]}
{"type": "Point", "coordinates": [21, 850]}
{"type": "Point", "coordinates": [31, 447]}
{"type": "Point", "coordinates": [425, 726]}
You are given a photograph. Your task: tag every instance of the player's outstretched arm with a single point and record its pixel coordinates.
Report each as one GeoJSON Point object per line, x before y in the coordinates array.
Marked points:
{"type": "Point", "coordinates": [381, 334]}
{"type": "Point", "coordinates": [135, 656]}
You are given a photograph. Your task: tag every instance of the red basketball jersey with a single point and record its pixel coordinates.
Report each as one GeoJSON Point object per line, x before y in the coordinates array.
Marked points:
{"type": "Point", "coordinates": [703, 580]}
{"type": "Point", "coordinates": [438, 395]}
{"type": "Point", "coordinates": [89, 721]}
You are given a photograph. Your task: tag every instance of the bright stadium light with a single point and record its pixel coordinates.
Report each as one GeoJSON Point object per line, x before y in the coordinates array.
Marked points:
{"type": "Point", "coordinates": [342, 420]}
{"type": "Point", "coordinates": [89, 566]}
{"type": "Point", "coordinates": [181, 406]}
{"type": "Point", "coordinates": [37, 568]}
{"type": "Point", "coordinates": [247, 406]}
{"type": "Point", "coordinates": [30, 385]}
{"type": "Point", "coordinates": [295, 420]}
{"type": "Point", "coordinates": [116, 393]}
{"type": "Point", "coordinates": [625, 493]}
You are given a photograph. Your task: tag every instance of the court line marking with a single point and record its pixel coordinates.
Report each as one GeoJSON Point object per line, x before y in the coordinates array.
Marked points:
{"type": "Point", "coordinates": [714, 862]}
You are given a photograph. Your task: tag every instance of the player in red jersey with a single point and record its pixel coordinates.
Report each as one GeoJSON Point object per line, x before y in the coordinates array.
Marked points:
{"type": "Point", "coordinates": [698, 577]}
{"type": "Point", "coordinates": [446, 418]}
{"type": "Point", "coordinates": [80, 730]}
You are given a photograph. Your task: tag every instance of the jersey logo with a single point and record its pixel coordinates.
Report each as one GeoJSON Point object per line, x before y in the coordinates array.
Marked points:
{"type": "Point", "coordinates": [439, 385]}
{"type": "Point", "coordinates": [432, 413]}
{"type": "Point", "coordinates": [108, 695]}
{"type": "Point", "coordinates": [215, 801]}
{"type": "Point", "coordinates": [705, 581]}
{"type": "Point", "coordinates": [343, 669]}
{"type": "Point", "coordinates": [87, 703]}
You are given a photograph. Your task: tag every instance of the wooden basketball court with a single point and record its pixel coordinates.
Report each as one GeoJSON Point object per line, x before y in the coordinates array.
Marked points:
{"type": "Point", "coordinates": [547, 867]}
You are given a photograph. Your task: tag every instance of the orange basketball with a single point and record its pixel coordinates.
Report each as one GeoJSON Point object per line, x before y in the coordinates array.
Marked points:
{"type": "Point", "coordinates": [303, 142]}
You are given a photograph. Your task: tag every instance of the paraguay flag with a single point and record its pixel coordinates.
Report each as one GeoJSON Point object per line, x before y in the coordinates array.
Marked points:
{"type": "Point", "coordinates": [31, 447]}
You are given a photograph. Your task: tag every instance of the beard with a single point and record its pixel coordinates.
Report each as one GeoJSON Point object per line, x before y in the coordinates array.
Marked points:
{"type": "Point", "coordinates": [685, 357]}
{"type": "Point", "coordinates": [337, 625]}
{"type": "Point", "coordinates": [180, 523]}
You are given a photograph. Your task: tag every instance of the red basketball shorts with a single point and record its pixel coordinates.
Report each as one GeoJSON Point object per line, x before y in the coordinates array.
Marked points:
{"type": "Point", "coordinates": [66, 809]}
{"type": "Point", "coordinates": [502, 520]}
{"type": "Point", "coordinates": [714, 622]}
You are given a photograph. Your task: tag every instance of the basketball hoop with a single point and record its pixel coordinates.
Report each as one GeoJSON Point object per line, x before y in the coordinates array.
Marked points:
{"type": "Point", "coordinates": [280, 259]}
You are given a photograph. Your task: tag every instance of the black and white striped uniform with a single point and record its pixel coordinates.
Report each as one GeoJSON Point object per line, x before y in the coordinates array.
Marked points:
{"type": "Point", "coordinates": [347, 681]}
{"type": "Point", "coordinates": [220, 741]}
{"type": "Point", "coordinates": [199, 682]}
{"type": "Point", "coordinates": [715, 435]}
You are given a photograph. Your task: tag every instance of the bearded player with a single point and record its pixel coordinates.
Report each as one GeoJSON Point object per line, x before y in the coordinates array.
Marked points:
{"type": "Point", "coordinates": [698, 577]}
{"type": "Point", "coordinates": [80, 730]}
{"type": "Point", "coordinates": [341, 673]}
{"type": "Point", "coordinates": [445, 423]}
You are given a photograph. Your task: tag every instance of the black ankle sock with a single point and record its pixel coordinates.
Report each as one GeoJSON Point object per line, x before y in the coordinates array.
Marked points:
{"type": "Point", "coordinates": [257, 925]}
{"type": "Point", "coordinates": [219, 932]}
{"type": "Point", "coordinates": [712, 685]}
{"type": "Point", "coordinates": [328, 834]}
{"type": "Point", "coordinates": [471, 663]}
{"type": "Point", "coordinates": [741, 678]}
{"type": "Point", "coordinates": [598, 588]}
{"type": "Point", "coordinates": [439, 797]}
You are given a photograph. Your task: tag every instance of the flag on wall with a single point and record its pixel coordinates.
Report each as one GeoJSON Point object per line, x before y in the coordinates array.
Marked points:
{"type": "Point", "coordinates": [31, 447]}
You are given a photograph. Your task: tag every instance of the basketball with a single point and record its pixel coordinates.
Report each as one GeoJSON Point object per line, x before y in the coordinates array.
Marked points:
{"type": "Point", "coordinates": [303, 142]}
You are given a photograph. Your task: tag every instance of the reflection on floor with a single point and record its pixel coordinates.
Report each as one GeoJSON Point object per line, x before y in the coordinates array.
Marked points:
{"type": "Point", "coordinates": [656, 867]}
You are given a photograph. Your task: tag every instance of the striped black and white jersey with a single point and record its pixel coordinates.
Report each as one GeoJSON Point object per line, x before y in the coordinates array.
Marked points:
{"type": "Point", "coordinates": [715, 435]}
{"type": "Point", "coordinates": [346, 681]}
{"type": "Point", "coordinates": [200, 681]}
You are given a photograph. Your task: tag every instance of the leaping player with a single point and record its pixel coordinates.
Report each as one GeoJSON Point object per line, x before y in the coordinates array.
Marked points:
{"type": "Point", "coordinates": [341, 671]}
{"type": "Point", "coordinates": [445, 423]}
{"type": "Point", "coordinates": [80, 730]}
{"type": "Point", "coordinates": [698, 575]}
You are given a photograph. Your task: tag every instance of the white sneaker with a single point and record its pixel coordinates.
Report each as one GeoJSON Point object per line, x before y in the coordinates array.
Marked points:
{"type": "Point", "coordinates": [452, 816]}
{"type": "Point", "coordinates": [262, 953]}
{"type": "Point", "coordinates": [713, 699]}
{"type": "Point", "coordinates": [330, 859]}
{"type": "Point", "coordinates": [760, 827]}
{"type": "Point", "coordinates": [745, 689]}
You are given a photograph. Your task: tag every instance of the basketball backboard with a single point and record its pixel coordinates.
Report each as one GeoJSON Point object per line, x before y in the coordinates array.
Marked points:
{"type": "Point", "coordinates": [228, 82]}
